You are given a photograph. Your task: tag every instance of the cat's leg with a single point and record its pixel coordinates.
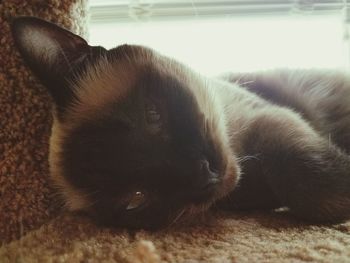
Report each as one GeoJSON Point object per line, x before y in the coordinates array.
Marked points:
{"type": "Point", "coordinates": [252, 190]}
{"type": "Point", "coordinates": [298, 168]}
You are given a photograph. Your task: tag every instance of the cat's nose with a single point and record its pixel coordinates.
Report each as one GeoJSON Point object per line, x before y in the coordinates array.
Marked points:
{"type": "Point", "coordinates": [206, 178]}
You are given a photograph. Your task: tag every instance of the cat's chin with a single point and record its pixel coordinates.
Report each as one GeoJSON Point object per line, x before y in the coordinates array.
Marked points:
{"type": "Point", "coordinates": [186, 215]}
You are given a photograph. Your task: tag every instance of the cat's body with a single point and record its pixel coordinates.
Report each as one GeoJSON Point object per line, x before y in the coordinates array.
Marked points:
{"type": "Point", "coordinates": [293, 144]}
{"type": "Point", "coordinates": [139, 139]}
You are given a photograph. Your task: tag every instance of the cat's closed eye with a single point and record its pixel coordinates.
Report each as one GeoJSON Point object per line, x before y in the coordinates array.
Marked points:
{"type": "Point", "coordinates": [152, 113]}
{"type": "Point", "coordinates": [153, 117]}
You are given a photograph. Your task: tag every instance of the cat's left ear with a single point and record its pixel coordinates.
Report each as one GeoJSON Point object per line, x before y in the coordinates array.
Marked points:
{"type": "Point", "coordinates": [50, 51]}
{"type": "Point", "coordinates": [46, 47]}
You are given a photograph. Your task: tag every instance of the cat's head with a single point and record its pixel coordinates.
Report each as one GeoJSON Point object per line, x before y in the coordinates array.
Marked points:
{"type": "Point", "coordinates": [137, 138]}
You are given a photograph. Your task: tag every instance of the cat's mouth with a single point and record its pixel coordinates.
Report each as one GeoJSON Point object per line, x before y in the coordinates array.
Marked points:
{"type": "Point", "coordinates": [208, 192]}
{"type": "Point", "coordinates": [216, 189]}
{"type": "Point", "coordinates": [214, 192]}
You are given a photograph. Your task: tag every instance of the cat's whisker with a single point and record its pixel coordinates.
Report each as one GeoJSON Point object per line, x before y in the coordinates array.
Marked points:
{"type": "Point", "coordinates": [91, 194]}
{"type": "Point", "coordinates": [206, 126]}
{"type": "Point", "coordinates": [237, 80]}
{"type": "Point", "coordinates": [178, 216]}
{"type": "Point", "coordinates": [93, 202]}
{"type": "Point", "coordinates": [64, 56]}
{"type": "Point", "coordinates": [246, 82]}
{"type": "Point", "coordinates": [246, 158]}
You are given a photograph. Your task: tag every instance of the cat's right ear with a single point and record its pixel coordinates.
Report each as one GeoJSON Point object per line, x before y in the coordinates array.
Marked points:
{"type": "Point", "coordinates": [51, 52]}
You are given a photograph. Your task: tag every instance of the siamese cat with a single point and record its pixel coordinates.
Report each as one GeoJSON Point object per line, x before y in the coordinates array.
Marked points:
{"type": "Point", "coordinates": [140, 140]}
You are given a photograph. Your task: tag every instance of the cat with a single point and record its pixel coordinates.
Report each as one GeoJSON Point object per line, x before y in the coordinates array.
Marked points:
{"type": "Point", "coordinates": [140, 140]}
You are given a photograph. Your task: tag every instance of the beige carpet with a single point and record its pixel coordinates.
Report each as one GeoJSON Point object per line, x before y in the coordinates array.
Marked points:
{"type": "Point", "coordinates": [41, 233]}
{"type": "Point", "coordinates": [226, 237]}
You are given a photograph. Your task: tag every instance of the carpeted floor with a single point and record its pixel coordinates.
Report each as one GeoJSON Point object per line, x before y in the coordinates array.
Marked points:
{"type": "Point", "coordinates": [226, 237]}
{"type": "Point", "coordinates": [32, 229]}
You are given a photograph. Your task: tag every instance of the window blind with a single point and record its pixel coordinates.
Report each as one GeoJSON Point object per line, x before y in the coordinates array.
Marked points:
{"type": "Point", "coordinates": [112, 10]}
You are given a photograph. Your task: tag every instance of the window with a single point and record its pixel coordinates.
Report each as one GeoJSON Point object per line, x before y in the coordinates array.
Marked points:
{"type": "Point", "coordinates": [229, 35]}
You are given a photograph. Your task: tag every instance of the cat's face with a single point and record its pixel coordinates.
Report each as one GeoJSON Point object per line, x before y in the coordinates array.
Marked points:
{"type": "Point", "coordinates": [138, 139]}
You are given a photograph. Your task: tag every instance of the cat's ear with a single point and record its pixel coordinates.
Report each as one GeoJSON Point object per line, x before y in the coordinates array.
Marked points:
{"type": "Point", "coordinates": [50, 51]}
{"type": "Point", "coordinates": [46, 47]}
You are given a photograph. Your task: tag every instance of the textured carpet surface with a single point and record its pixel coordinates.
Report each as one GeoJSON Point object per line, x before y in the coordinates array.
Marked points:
{"type": "Point", "coordinates": [25, 120]}
{"type": "Point", "coordinates": [28, 217]}
{"type": "Point", "coordinates": [229, 237]}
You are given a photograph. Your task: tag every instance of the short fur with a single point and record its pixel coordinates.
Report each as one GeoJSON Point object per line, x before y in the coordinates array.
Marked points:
{"type": "Point", "coordinates": [246, 141]}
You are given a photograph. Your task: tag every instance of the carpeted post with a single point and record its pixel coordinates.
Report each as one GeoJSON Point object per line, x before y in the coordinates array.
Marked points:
{"type": "Point", "coordinates": [25, 120]}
